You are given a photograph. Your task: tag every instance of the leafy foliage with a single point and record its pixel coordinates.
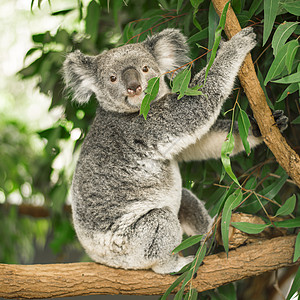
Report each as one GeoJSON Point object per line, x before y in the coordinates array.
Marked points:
{"type": "Point", "coordinates": [250, 183]}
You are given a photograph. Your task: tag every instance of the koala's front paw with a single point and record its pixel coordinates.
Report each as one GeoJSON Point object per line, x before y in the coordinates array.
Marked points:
{"type": "Point", "coordinates": [280, 120]}
{"type": "Point", "coordinates": [245, 40]}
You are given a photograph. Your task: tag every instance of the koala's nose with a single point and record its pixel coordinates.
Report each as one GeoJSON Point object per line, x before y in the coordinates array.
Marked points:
{"type": "Point", "coordinates": [132, 81]}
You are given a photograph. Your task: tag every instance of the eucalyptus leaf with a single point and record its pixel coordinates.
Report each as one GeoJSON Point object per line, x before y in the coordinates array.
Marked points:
{"type": "Point", "coordinates": [291, 223]}
{"type": "Point", "coordinates": [289, 79]}
{"type": "Point", "coordinates": [297, 248]}
{"type": "Point", "coordinates": [231, 203]}
{"type": "Point", "coordinates": [292, 7]}
{"type": "Point", "coordinates": [291, 54]}
{"type": "Point", "coordinates": [295, 285]}
{"type": "Point", "coordinates": [270, 10]}
{"type": "Point", "coordinates": [288, 207]}
{"type": "Point", "coordinates": [292, 88]}
{"type": "Point", "coordinates": [281, 35]}
{"type": "Point", "coordinates": [226, 150]}
{"type": "Point", "coordinates": [188, 243]}
{"type": "Point", "coordinates": [296, 121]}
{"type": "Point", "coordinates": [249, 228]}
{"type": "Point", "coordinates": [244, 125]}
{"type": "Point", "coordinates": [173, 286]}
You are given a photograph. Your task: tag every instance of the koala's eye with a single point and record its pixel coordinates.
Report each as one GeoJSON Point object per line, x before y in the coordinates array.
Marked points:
{"type": "Point", "coordinates": [145, 69]}
{"type": "Point", "coordinates": [113, 78]}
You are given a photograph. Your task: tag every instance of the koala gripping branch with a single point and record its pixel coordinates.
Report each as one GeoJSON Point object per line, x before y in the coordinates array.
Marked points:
{"type": "Point", "coordinates": [77, 279]}
{"type": "Point", "coordinates": [283, 153]}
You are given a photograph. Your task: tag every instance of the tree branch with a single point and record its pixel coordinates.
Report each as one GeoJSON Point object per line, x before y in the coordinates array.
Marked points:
{"type": "Point", "coordinates": [283, 153]}
{"type": "Point", "coordinates": [61, 280]}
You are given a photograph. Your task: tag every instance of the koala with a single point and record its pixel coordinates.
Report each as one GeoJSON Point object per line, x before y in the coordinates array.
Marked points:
{"type": "Point", "coordinates": [129, 207]}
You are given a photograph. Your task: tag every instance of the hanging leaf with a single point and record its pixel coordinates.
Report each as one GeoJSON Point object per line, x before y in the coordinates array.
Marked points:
{"type": "Point", "coordinates": [293, 7]}
{"type": "Point", "coordinates": [226, 150]}
{"type": "Point", "coordinates": [281, 35]}
{"type": "Point", "coordinates": [181, 82]}
{"type": "Point", "coordinates": [289, 79]}
{"type": "Point", "coordinates": [278, 64]}
{"type": "Point", "coordinates": [295, 286]}
{"type": "Point", "coordinates": [292, 88]}
{"type": "Point", "coordinates": [151, 93]}
{"type": "Point", "coordinates": [273, 189]}
{"type": "Point", "coordinates": [244, 125]}
{"type": "Point", "coordinates": [92, 20]}
{"type": "Point", "coordinates": [291, 223]}
{"type": "Point", "coordinates": [249, 228]}
{"type": "Point", "coordinates": [217, 38]}
{"type": "Point", "coordinates": [296, 121]}
{"type": "Point", "coordinates": [290, 54]}
{"type": "Point", "coordinates": [297, 248]}
{"type": "Point", "coordinates": [288, 207]}
{"type": "Point", "coordinates": [188, 243]}
{"type": "Point", "coordinates": [173, 286]}
{"type": "Point", "coordinates": [231, 203]}
{"type": "Point", "coordinates": [270, 10]}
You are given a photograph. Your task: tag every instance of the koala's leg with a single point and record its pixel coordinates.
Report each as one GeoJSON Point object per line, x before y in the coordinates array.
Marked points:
{"type": "Point", "coordinates": [210, 145]}
{"type": "Point", "coordinates": [193, 216]}
{"type": "Point", "coordinates": [153, 238]}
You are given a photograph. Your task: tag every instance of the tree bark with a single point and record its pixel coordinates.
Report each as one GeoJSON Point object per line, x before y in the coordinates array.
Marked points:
{"type": "Point", "coordinates": [61, 280]}
{"type": "Point", "coordinates": [283, 153]}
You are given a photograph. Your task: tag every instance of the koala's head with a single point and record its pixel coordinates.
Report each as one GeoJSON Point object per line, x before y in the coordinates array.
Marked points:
{"type": "Point", "coordinates": [119, 77]}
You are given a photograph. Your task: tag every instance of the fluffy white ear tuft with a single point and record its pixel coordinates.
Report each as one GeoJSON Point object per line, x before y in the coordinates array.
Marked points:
{"type": "Point", "coordinates": [170, 49]}
{"type": "Point", "coordinates": [80, 73]}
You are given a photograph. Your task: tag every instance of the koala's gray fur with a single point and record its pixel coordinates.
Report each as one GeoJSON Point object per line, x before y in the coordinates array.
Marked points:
{"type": "Point", "coordinates": [129, 208]}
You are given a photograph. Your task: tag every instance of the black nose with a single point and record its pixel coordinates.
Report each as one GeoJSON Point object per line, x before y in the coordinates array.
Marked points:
{"type": "Point", "coordinates": [131, 78]}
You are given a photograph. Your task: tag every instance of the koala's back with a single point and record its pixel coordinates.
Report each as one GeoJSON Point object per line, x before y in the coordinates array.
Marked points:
{"type": "Point", "coordinates": [120, 174]}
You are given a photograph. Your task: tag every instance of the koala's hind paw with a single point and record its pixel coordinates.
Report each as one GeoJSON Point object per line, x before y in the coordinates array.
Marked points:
{"type": "Point", "coordinates": [280, 120]}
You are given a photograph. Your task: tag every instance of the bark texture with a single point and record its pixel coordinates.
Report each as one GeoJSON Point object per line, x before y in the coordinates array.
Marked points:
{"type": "Point", "coordinates": [283, 153]}
{"type": "Point", "coordinates": [61, 280]}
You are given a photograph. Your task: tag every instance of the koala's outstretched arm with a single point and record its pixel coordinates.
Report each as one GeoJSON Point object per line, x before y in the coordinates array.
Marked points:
{"type": "Point", "coordinates": [210, 145]}
{"type": "Point", "coordinates": [173, 125]}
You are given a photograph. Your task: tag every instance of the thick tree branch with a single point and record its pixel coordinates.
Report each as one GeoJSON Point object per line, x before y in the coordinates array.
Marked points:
{"type": "Point", "coordinates": [61, 280]}
{"type": "Point", "coordinates": [283, 153]}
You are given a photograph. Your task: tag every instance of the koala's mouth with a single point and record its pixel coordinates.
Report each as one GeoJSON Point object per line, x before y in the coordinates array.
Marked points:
{"type": "Point", "coordinates": [134, 101]}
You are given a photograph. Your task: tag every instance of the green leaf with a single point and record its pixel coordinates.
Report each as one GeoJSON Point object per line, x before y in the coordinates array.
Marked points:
{"type": "Point", "coordinates": [226, 150]}
{"type": "Point", "coordinates": [273, 189]}
{"type": "Point", "coordinates": [278, 64]}
{"type": "Point", "coordinates": [292, 88]}
{"type": "Point", "coordinates": [227, 292]}
{"type": "Point", "coordinates": [92, 19]}
{"type": "Point", "coordinates": [289, 79]}
{"type": "Point", "coordinates": [295, 286]}
{"type": "Point", "coordinates": [181, 82]}
{"type": "Point", "coordinates": [231, 203]}
{"type": "Point", "coordinates": [293, 7]}
{"type": "Point", "coordinates": [199, 258]}
{"type": "Point", "coordinates": [253, 8]}
{"type": "Point", "coordinates": [270, 10]}
{"type": "Point", "coordinates": [281, 35]}
{"type": "Point", "coordinates": [217, 38]}
{"type": "Point", "coordinates": [151, 93]}
{"type": "Point", "coordinates": [291, 223]}
{"type": "Point", "coordinates": [179, 4]}
{"type": "Point", "coordinates": [296, 121]}
{"type": "Point", "coordinates": [188, 243]}
{"type": "Point", "coordinates": [290, 54]}
{"type": "Point", "coordinates": [297, 248]}
{"type": "Point", "coordinates": [199, 36]}
{"type": "Point", "coordinates": [196, 3]}
{"type": "Point", "coordinates": [193, 91]}
{"type": "Point", "coordinates": [173, 286]}
{"type": "Point", "coordinates": [261, 81]}
{"type": "Point", "coordinates": [249, 228]}
{"type": "Point", "coordinates": [244, 125]}
{"type": "Point", "coordinates": [191, 295]}
{"type": "Point", "coordinates": [288, 207]}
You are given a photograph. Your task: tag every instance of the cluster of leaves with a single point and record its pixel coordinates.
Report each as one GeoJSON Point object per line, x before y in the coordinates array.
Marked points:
{"type": "Point", "coordinates": [251, 183]}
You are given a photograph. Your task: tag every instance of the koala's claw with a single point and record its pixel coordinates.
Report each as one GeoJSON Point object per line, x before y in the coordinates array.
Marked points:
{"type": "Point", "coordinates": [280, 120]}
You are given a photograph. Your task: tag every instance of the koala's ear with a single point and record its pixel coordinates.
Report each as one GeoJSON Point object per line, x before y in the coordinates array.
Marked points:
{"type": "Point", "coordinates": [169, 48]}
{"type": "Point", "coordinates": [80, 73]}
